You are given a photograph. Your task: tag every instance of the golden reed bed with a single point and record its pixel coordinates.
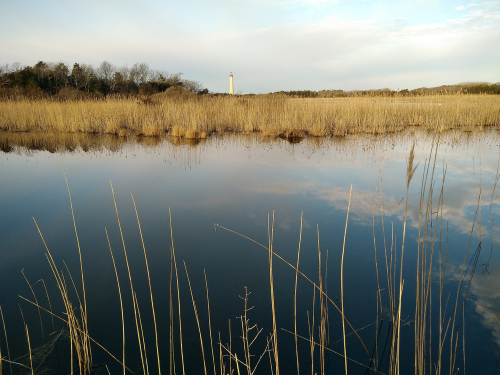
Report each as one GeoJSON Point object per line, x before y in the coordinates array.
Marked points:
{"type": "Point", "coordinates": [196, 116]}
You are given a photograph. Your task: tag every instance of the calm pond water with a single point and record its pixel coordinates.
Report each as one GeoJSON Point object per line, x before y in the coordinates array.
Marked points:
{"type": "Point", "coordinates": [237, 182]}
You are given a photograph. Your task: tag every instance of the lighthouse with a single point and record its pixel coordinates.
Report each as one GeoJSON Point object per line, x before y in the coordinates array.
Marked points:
{"type": "Point", "coordinates": [231, 89]}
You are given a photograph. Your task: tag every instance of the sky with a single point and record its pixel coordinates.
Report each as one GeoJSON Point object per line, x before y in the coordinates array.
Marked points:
{"type": "Point", "coordinates": [269, 45]}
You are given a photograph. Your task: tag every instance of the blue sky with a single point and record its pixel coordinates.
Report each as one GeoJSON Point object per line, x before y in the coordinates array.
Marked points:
{"type": "Point", "coordinates": [269, 45]}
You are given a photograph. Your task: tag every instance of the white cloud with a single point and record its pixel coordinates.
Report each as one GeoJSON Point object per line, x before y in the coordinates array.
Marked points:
{"type": "Point", "coordinates": [277, 45]}
{"type": "Point", "coordinates": [484, 294]}
{"type": "Point", "coordinates": [462, 7]}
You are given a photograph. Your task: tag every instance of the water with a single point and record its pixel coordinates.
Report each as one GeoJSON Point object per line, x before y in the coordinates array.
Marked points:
{"type": "Point", "coordinates": [238, 182]}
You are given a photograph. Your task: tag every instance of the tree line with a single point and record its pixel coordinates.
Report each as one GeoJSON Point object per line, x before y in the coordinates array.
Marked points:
{"type": "Point", "coordinates": [465, 88]}
{"type": "Point", "coordinates": [86, 81]}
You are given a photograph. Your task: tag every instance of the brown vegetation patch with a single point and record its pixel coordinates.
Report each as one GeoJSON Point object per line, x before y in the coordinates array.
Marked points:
{"type": "Point", "coordinates": [182, 141]}
{"type": "Point", "coordinates": [173, 93]}
{"type": "Point", "coordinates": [195, 134]}
{"type": "Point", "coordinates": [177, 131]}
{"type": "Point", "coordinates": [200, 115]}
{"type": "Point", "coordinates": [293, 136]}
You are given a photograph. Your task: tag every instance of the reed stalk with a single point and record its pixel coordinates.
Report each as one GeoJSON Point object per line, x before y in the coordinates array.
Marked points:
{"type": "Point", "coordinates": [237, 363]}
{"type": "Point", "coordinates": [6, 339]}
{"type": "Point", "coordinates": [313, 343]}
{"type": "Point", "coordinates": [77, 332]}
{"type": "Point", "coordinates": [72, 282]}
{"type": "Point", "coordinates": [209, 322]}
{"type": "Point", "coordinates": [342, 280]}
{"type": "Point", "coordinates": [29, 348]}
{"type": "Point", "coordinates": [86, 342]}
{"type": "Point", "coordinates": [34, 296]}
{"type": "Point", "coordinates": [387, 262]}
{"type": "Point", "coordinates": [149, 282]}
{"type": "Point", "coordinates": [230, 348]}
{"type": "Point", "coordinates": [172, 249]}
{"type": "Point", "coordinates": [48, 299]}
{"type": "Point", "coordinates": [379, 294]}
{"type": "Point", "coordinates": [311, 330]}
{"type": "Point", "coordinates": [453, 353]}
{"type": "Point", "coordinates": [197, 320]}
{"type": "Point", "coordinates": [271, 281]}
{"type": "Point", "coordinates": [171, 319]}
{"type": "Point", "coordinates": [129, 276]}
{"type": "Point", "coordinates": [295, 296]}
{"type": "Point", "coordinates": [77, 328]}
{"type": "Point", "coordinates": [245, 331]}
{"type": "Point", "coordinates": [121, 302]}
{"type": "Point", "coordinates": [221, 359]}
{"type": "Point", "coordinates": [270, 342]}
{"type": "Point", "coordinates": [322, 326]}
{"type": "Point", "coordinates": [420, 284]}
{"type": "Point", "coordinates": [142, 341]}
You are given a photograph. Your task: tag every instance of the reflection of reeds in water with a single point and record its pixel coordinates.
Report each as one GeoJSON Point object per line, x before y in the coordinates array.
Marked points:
{"type": "Point", "coordinates": [449, 326]}
{"type": "Point", "coordinates": [267, 114]}
{"type": "Point", "coordinates": [61, 142]}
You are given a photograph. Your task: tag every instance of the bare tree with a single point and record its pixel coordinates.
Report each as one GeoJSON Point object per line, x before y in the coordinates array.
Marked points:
{"type": "Point", "coordinates": [193, 86]}
{"type": "Point", "coordinates": [139, 74]}
{"type": "Point", "coordinates": [175, 79]}
{"type": "Point", "coordinates": [124, 72]}
{"type": "Point", "coordinates": [60, 75]}
{"type": "Point", "coordinates": [145, 73]}
{"type": "Point", "coordinates": [106, 71]}
{"type": "Point", "coordinates": [76, 77]}
{"type": "Point", "coordinates": [16, 67]}
{"type": "Point", "coordinates": [133, 75]}
{"type": "Point", "coordinates": [88, 75]}
{"type": "Point", "coordinates": [4, 75]}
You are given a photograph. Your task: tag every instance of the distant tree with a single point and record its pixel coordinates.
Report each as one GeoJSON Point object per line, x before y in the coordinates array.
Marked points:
{"type": "Point", "coordinates": [52, 78]}
{"type": "Point", "coordinates": [25, 78]}
{"type": "Point", "coordinates": [16, 67]}
{"type": "Point", "coordinates": [175, 79]}
{"type": "Point", "coordinates": [88, 77]}
{"type": "Point", "coordinates": [77, 76]}
{"type": "Point", "coordinates": [160, 81]}
{"type": "Point", "coordinates": [106, 71]}
{"type": "Point", "coordinates": [139, 74]}
{"type": "Point", "coordinates": [105, 74]}
{"type": "Point", "coordinates": [60, 76]}
{"type": "Point", "coordinates": [192, 86]}
{"type": "Point", "coordinates": [41, 69]}
{"type": "Point", "coordinates": [42, 73]}
{"type": "Point", "coordinates": [117, 83]}
{"type": "Point", "coordinates": [5, 78]}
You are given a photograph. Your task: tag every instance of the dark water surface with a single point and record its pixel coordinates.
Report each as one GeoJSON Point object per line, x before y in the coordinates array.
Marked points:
{"type": "Point", "coordinates": [236, 182]}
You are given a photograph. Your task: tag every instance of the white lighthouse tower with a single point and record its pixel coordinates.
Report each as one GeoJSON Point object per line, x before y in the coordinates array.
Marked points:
{"type": "Point", "coordinates": [231, 89]}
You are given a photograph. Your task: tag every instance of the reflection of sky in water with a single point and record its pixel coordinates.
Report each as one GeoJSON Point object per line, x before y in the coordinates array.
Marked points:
{"type": "Point", "coordinates": [236, 181]}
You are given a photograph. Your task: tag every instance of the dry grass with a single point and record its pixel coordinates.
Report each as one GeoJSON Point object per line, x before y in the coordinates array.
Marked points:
{"type": "Point", "coordinates": [198, 116]}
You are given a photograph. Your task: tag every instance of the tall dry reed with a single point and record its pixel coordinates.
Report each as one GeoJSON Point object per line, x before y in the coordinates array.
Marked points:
{"type": "Point", "coordinates": [269, 114]}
